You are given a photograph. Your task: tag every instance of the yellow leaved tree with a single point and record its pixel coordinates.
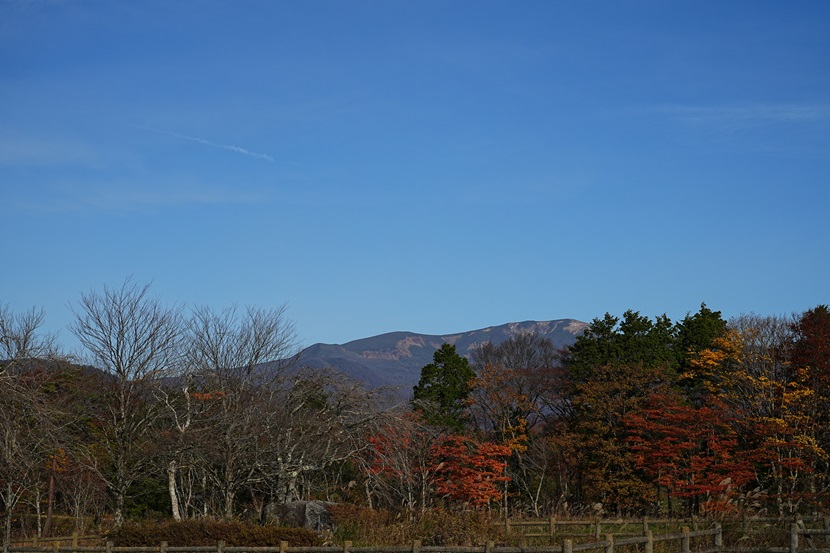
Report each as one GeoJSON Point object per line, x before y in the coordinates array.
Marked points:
{"type": "Point", "coordinates": [773, 406]}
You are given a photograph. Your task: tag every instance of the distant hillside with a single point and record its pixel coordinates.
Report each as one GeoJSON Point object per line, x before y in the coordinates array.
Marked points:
{"type": "Point", "coordinates": [395, 359]}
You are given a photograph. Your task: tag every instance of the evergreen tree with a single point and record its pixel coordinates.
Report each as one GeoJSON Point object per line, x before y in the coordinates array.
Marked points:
{"type": "Point", "coordinates": [696, 333]}
{"type": "Point", "coordinates": [633, 340]}
{"type": "Point", "coordinates": [442, 391]}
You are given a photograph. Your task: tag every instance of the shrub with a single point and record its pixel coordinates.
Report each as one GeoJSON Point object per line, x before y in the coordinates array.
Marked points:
{"type": "Point", "coordinates": [208, 532]}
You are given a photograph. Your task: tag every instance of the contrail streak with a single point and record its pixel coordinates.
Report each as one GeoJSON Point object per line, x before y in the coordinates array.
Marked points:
{"type": "Point", "coordinates": [228, 147]}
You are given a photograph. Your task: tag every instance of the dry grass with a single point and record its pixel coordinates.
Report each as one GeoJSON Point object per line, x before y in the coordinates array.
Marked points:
{"type": "Point", "coordinates": [363, 526]}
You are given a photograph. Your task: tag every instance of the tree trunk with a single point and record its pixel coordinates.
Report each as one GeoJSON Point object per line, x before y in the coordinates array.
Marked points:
{"type": "Point", "coordinates": [205, 502]}
{"type": "Point", "coordinates": [118, 515]}
{"type": "Point", "coordinates": [259, 506]}
{"type": "Point", "coordinates": [229, 498]}
{"type": "Point", "coordinates": [290, 489]}
{"type": "Point", "coordinates": [8, 522]}
{"type": "Point", "coordinates": [369, 495]}
{"type": "Point", "coordinates": [50, 501]}
{"type": "Point", "coordinates": [38, 514]}
{"type": "Point", "coordinates": [171, 486]}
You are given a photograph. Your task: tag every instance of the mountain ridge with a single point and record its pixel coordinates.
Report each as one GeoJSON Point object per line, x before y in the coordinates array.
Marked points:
{"type": "Point", "coordinates": [395, 359]}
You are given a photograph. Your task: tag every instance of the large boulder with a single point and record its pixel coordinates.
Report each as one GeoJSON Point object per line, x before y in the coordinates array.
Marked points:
{"type": "Point", "coordinates": [313, 515]}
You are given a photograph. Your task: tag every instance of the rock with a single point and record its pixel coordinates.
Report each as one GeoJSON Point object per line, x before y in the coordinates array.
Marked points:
{"type": "Point", "coordinates": [313, 515]}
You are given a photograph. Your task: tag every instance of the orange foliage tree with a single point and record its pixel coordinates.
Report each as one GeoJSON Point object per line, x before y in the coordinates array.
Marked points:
{"type": "Point", "coordinates": [410, 463]}
{"type": "Point", "coordinates": [691, 452]}
{"type": "Point", "coordinates": [470, 471]}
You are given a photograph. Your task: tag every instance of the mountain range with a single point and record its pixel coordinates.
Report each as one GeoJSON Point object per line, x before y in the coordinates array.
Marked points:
{"type": "Point", "coordinates": [395, 359]}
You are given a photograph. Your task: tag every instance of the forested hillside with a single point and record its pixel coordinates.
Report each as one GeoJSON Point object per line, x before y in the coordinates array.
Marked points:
{"type": "Point", "coordinates": [170, 416]}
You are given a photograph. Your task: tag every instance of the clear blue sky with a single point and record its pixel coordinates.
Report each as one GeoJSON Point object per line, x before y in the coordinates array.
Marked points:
{"type": "Point", "coordinates": [433, 166]}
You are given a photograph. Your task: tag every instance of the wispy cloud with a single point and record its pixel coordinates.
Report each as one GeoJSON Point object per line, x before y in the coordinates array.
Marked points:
{"type": "Point", "coordinates": [744, 117]}
{"type": "Point", "coordinates": [228, 147]}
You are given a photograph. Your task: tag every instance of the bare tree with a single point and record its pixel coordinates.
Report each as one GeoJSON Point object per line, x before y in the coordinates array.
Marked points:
{"type": "Point", "coordinates": [526, 381]}
{"type": "Point", "coordinates": [135, 339]}
{"type": "Point", "coordinates": [236, 358]}
{"type": "Point", "coordinates": [26, 436]}
{"type": "Point", "coordinates": [21, 341]}
{"type": "Point", "coordinates": [267, 425]}
{"type": "Point", "coordinates": [317, 419]}
{"type": "Point", "coordinates": [182, 418]}
{"type": "Point", "coordinates": [83, 492]}
{"type": "Point", "coordinates": [400, 463]}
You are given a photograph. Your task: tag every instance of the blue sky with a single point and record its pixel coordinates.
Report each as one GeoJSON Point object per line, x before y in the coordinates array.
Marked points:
{"type": "Point", "coordinates": [431, 166]}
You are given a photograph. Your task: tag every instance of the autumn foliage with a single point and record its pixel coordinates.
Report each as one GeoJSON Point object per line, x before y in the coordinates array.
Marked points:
{"type": "Point", "coordinates": [422, 465]}
{"type": "Point", "coordinates": [639, 417]}
{"type": "Point", "coordinates": [470, 471]}
{"type": "Point", "coordinates": [690, 451]}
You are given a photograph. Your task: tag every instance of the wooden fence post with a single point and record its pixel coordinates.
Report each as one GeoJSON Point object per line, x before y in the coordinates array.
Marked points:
{"type": "Point", "coordinates": [109, 547]}
{"type": "Point", "coordinates": [416, 546]}
{"type": "Point", "coordinates": [567, 546]}
{"type": "Point", "coordinates": [553, 528]}
{"type": "Point", "coordinates": [220, 546]}
{"type": "Point", "coordinates": [75, 541]}
{"type": "Point", "coordinates": [610, 539]}
{"type": "Point", "coordinates": [793, 537]}
{"type": "Point", "coordinates": [598, 529]}
{"type": "Point", "coordinates": [347, 545]}
{"type": "Point", "coordinates": [55, 545]}
{"type": "Point", "coordinates": [283, 546]}
{"type": "Point", "coordinates": [649, 542]}
{"type": "Point", "coordinates": [686, 543]}
{"type": "Point", "coordinates": [163, 547]}
{"type": "Point", "coordinates": [718, 537]}
{"type": "Point", "coordinates": [488, 547]}
{"type": "Point", "coordinates": [645, 525]}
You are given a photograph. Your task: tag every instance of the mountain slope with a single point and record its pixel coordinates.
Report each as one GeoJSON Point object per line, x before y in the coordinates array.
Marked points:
{"type": "Point", "coordinates": [396, 358]}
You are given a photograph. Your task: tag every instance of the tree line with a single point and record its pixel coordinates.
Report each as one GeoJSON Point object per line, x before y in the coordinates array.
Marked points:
{"type": "Point", "coordinates": [640, 416]}
{"type": "Point", "coordinates": [204, 413]}
{"type": "Point", "coordinates": [192, 413]}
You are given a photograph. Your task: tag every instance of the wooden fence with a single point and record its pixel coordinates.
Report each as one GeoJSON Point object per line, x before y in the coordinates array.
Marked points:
{"type": "Point", "coordinates": [72, 541]}
{"type": "Point", "coordinates": [609, 544]}
{"type": "Point", "coordinates": [605, 536]}
{"type": "Point", "coordinates": [552, 530]}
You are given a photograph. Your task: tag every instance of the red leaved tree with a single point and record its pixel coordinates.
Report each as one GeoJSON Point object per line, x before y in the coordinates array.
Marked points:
{"type": "Point", "coordinates": [471, 472]}
{"type": "Point", "coordinates": [691, 452]}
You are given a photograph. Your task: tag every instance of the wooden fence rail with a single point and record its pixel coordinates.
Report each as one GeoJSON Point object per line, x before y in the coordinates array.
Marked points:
{"type": "Point", "coordinates": [801, 540]}
{"type": "Point", "coordinates": [555, 529]}
{"type": "Point", "coordinates": [609, 544]}
{"type": "Point", "coordinates": [75, 540]}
